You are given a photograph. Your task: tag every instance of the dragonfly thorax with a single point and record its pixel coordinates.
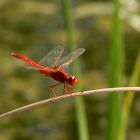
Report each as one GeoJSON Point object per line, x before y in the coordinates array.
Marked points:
{"type": "Point", "coordinates": [72, 80]}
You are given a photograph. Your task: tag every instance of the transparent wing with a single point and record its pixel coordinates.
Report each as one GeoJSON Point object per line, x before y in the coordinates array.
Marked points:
{"type": "Point", "coordinates": [65, 61]}
{"type": "Point", "coordinates": [32, 68]}
{"type": "Point", "coordinates": [52, 58]}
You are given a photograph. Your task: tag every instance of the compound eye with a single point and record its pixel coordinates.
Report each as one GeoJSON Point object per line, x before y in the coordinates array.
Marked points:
{"type": "Point", "coordinates": [72, 80]}
{"type": "Point", "coordinates": [73, 77]}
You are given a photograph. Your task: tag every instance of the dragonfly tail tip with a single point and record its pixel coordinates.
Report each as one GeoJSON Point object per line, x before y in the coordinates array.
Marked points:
{"type": "Point", "coordinates": [13, 54]}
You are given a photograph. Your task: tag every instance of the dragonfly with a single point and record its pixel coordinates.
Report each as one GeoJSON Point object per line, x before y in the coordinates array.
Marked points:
{"type": "Point", "coordinates": [53, 66]}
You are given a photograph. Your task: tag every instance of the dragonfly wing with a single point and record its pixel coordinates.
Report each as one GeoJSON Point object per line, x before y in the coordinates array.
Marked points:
{"type": "Point", "coordinates": [52, 58]}
{"type": "Point", "coordinates": [65, 61]}
{"type": "Point", "coordinates": [32, 68]}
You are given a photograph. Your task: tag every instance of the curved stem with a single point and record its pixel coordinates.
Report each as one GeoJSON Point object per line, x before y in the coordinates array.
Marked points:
{"type": "Point", "coordinates": [81, 93]}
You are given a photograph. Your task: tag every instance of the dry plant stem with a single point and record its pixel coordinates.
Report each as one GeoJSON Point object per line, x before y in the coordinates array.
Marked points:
{"type": "Point", "coordinates": [82, 93]}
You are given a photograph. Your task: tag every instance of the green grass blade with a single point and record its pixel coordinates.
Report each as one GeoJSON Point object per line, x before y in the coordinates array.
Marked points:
{"type": "Point", "coordinates": [115, 74]}
{"type": "Point", "coordinates": [79, 102]}
{"type": "Point", "coordinates": [128, 100]}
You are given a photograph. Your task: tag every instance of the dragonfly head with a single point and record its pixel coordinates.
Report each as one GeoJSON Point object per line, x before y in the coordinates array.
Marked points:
{"type": "Point", "coordinates": [72, 80]}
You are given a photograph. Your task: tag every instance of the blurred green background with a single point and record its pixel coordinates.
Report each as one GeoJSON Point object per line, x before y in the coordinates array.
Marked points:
{"type": "Point", "coordinates": [32, 28]}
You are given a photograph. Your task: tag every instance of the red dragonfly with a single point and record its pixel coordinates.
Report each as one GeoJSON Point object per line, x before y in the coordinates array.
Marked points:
{"type": "Point", "coordinates": [53, 65]}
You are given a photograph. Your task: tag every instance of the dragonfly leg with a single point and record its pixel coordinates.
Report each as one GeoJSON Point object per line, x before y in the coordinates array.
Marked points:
{"type": "Point", "coordinates": [65, 88]}
{"type": "Point", "coordinates": [68, 89]}
{"type": "Point", "coordinates": [52, 89]}
{"type": "Point", "coordinates": [71, 88]}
